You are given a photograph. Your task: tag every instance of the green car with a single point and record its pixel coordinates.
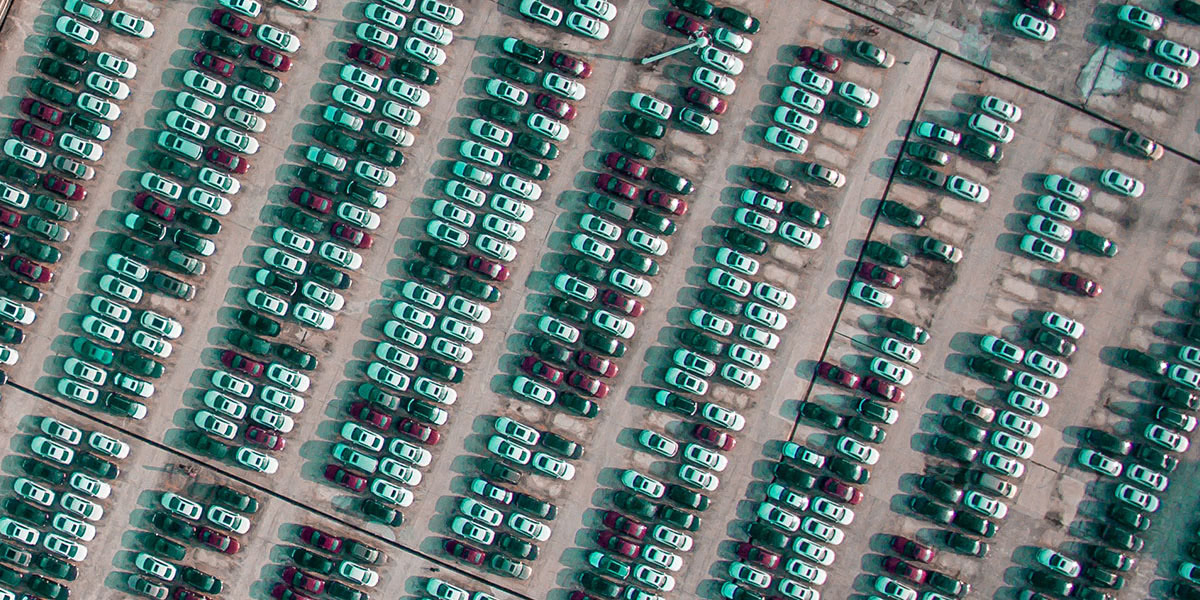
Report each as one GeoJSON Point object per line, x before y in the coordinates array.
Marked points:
{"type": "Point", "coordinates": [92, 352]}
{"type": "Point", "coordinates": [140, 365]}
{"type": "Point", "coordinates": [56, 567]}
{"type": "Point", "coordinates": [38, 251]}
{"type": "Point", "coordinates": [927, 153]}
{"type": "Point", "coordinates": [739, 20]}
{"type": "Point", "coordinates": [989, 370]}
{"type": "Point", "coordinates": [329, 275]}
{"type": "Point", "coordinates": [1095, 243]}
{"type": "Point", "coordinates": [415, 71]}
{"type": "Point", "coordinates": [438, 254]}
{"type": "Point", "coordinates": [163, 547]}
{"type": "Point", "coordinates": [514, 70]}
{"type": "Point", "coordinates": [59, 70]}
{"type": "Point", "coordinates": [907, 331]}
{"type": "Point", "coordinates": [296, 357]}
{"type": "Point", "coordinates": [527, 166]}
{"type": "Point", "coordinates": [381, 513]}
{"type": "Point", "coordinates": [473, 287]}
{"type": "Point", "coordinates": [26, 512]}
{"type": "Point", "coordinates": [607, 565]}
{"type": "Point", "coordinates": [604, 344]}
{"type": "Point", "coordinates": [637, 261]}
{"type": "Point", "coordinates": [205, 446]}
{"type": "Point", "coordinates": [982, 149]}
{"type": "Point", "coordinates": [40, 470]}
{"type": "Point", "coordinates": [222, 44]}
{"type": "Point", "coordinates": [847, 114]}
{"type": "Point", "coordinates": [636, 147]}
{"type": "Point", "coordinates": [578, 265]}
{"type": "Point", "coordinates": [901, 214]}
{"type": "Point", "coordinates": [635, 506]}
{"type": "Point", "coordinates": [701, 342]}
{"type": "Point", "coordinates": [46, 588]}
{"type": "Point", "coordinates": [1124, 35]}
{"type": "Point", "coordinates": [720, 302]}
{"type": "Point", "coordinates": [200, 580]}
{"type": "Point", "coordinates": [96, 466]}
{"type": "Point", "coordinates": [383, 154]}
{"type": "Point", "coordinates": [743, 241]}
{"type": "Point", "coordinates": [806, 214]}
{"type": "Point", "coordinates": [886, 254]}
{"type": "Point", "coordinates": [654, 221]}
{"type": "Point", "coordinates": [19, 289]}
{"type": "Point", "coordinates": [548, 350]}
{"type": "Point", "coordinates": [768, 179]}
{"type": "Point", "coordinates": [301, 221]}
{"type": "Point", "coordinates": [86, 126]}
{"type": "Point", "coordinates": [523, 50]}
{"type": "Point", "coordinates": [11, 169]}
{"type": "Point", "coordinates": [336, 139]}
{"type": "Point", "coordinates": [169, 165]}
{"type": "Point", "coordinates": [199, 221]}
{"type": "Point", "coordinates": [643, 126]}
{"type": "Point", "coordinates": [569, 309]}
{"type": "Point", "coordinates": [56, 209]}
{"type": "Point", "coordinates": [441, 369]}
{"type": "Point", "coordinates": [247, 342]}
{"type": "Point", "coordinates": [499, 112]}
{"type": "Point", "coordinates": [340, 591]}
{"type": "Point", "coordinates": [535, 145]}
{"type": "Point", "coordinates": [258, 323]}
{"type": "Point", "coordinates": [52, 91]}
{"type": "Point", "coordinates": [939, 489]}
{"type": "Point", "coordinates": [915, 171]}
{"type": "Point", "coordinates": [701, 8]}
{"type": "Point", "coordinates": [260, 79]}
{"type": "Point", "coordinates": [68, 50]}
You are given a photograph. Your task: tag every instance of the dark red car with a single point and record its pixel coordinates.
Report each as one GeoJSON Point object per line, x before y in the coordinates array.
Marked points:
{"type": "Point", "coordinates": [596, 364]}
{"type": "Point", "coordinates": [368, 414]}
{"type": "Point", "coordinates": [614, 542]}
{"type": "Point", "coordinates": [538, 368]}
{"type": "Point", "coordinates": [9, 218]}
{"type": "Point", "coordinates": [837, 375]}
{"type": "Point", "coordinates": [31, 270]}
{"type": "Point", "coordinates": [1049, 9]}
{"type": "Point", "coordinates": [182, 593]}
{"type": "Point", "coordinates": [616, 186]}
{"type": "Point", "coordinates": [705, 100]}
{"type": "Point", "coordinates": [818, 59]}
{"type": "Point", "coordinates": [147, 202]}
{"type": "Point", "coordinates": [911, 549]}
{"type": "Point", "coordinates": [683, 24]}
{"type": "Point", "coordinates": [345, 478]}
{"type": "Point", "coordinates": [625, 165]}
{"type": "Point", "coordinates": [464, 552]}
{"type": "Point", "coordinates": [353, 235]}
{"type": "Point", "coordinates": [319, 539]}
{"type": "Point", "coordinates": [281, 591]}
{"type": "Point", "coordinates": [226, 160]}
{"type": "Point", "coordinates": [300, 579]}
{"type": "Point", "coordinates": [714, 438]}
{"type": "Point", "coordinates": [575, 67]}
{"type": "Point", "coordinates": [753, 554]}
{"type": "Point", "coordinates": [230, 22]}
{"type": "Point", "coordinates": [266, 438]}
{"type": "Point", "coordinates": [624, 525]}
{"type": "Point", "coordinates": [588, 385]}
{"type": "Point", "coordinates": [64, 187]}
{"type": "Point", "coordinates": [309, 200]}
{"type": "Point", "coordinates": [1079, 284]}
{"type": "Point", "coordinates": [908, 571]}
{"type": "Point", "coordinates": [212, 63]}
{"type": "Point", "coordinates": [241, 363]}
{"type": "Point", "coordinates": [877, 274]}
{"type": "Point", "coordinates": [418, 431]}
{"type": "Point", "coordinates": [884, 389]}
{"type": "Point", "coordinates": [41, 111]}
{"type": "Point", "coordinates": [666, 202]}
{"type": "Point", "coordinates": [368, 56]}
{"type": "Point", "coordinates": [216, 540]}
{"type": "Point", "coordinates": [555, 107]}
{"type": "Point", "coordinates": [32, 133]}
{"type": "Point", "coordinates": [493, 270]}
{"type": "Point", "coordinates": [269, 58]}
{"type": "Point", "coordinates": [840, 491]}
{"type": "Point", "coordinates": [629, 306]}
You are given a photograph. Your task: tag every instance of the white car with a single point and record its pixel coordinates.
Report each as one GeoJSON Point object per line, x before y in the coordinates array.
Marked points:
{"type": "Point", "coordinates": [586, 25]}
{"type": "Point", "coordinates": [714, 81]}
{"type": "Point", "coordinates": [564, 86]}
{"type": "Point", "coordinates": [1033, 27]}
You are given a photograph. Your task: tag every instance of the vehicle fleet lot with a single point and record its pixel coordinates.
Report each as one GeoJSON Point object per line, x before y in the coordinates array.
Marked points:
{"type": "Point", "coordinates": [995, 289]}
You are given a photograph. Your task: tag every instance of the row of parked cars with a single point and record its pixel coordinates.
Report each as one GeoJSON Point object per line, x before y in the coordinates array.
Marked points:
{"type": "Point", "coordinates": [42, 157]}
{"type": "Point", "coordinates": [58, 501]}
{"type": "Point", "coordinates": [328, 564]}
{"type": "Point", "coordinates": [1135, 29]}
{"type": "Point", "coordinates": [177, 523]}
{"type": "Point", "coordinates": [498, 525]}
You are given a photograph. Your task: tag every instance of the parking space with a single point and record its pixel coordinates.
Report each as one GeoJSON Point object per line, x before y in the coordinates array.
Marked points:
{"type": "Point", "coordinates": [1081, 65]}
{"type": "Point", "coordinates": [994, 289]}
